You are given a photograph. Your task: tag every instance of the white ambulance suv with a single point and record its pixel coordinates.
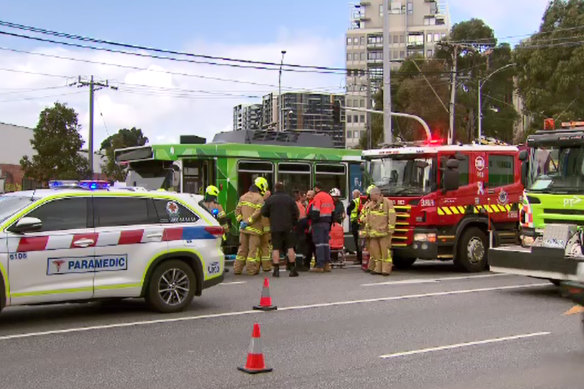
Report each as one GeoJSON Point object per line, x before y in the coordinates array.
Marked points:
{"type": "Point", "coordinates": [85, 241]}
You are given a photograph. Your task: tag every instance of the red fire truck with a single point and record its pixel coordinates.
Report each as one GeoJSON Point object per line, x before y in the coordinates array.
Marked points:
{"type": "Point", "coordinates": [449, 199]}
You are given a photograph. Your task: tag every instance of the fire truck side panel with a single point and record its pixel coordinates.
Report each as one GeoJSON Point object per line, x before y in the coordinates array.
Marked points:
{"type": "Point", "coordinates": [431, 226]}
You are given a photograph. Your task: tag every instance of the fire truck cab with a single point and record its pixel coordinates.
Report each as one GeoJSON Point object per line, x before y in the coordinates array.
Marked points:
{"type": "Point", "coordinates": [448, 199]}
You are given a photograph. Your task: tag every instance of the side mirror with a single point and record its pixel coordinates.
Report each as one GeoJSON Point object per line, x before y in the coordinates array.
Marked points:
{"type": "Point", "coordinates": [27, 224]}
{"type": "Point", "coordinates": [523, 154]}
{"type": "Point", "coordinates": [524, 173]}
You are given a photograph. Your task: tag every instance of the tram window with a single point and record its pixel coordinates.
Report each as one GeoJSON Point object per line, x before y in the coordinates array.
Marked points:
{"type": "Point", "coordinates": [197, 174]}
{"type": "Point", "coordinates": [332, 176]}
{"type": "Point", "coordinates": [248, 171]}
{"type": "Point", "coordinates": [294, 176]}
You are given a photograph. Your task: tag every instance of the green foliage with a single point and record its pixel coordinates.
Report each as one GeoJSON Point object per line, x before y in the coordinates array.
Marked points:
{"type": "Point", "coordinates": [422, 87]}
{"type": "Point", "coordinates": [123, 138]}
{"type": "Point", "coordinates": [57, 143]}
{"type": "Point", "coordinates": [550, 63]}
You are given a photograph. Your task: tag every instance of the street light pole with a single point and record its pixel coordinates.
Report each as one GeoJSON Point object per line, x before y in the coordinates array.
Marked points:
{"type": "Point", "coordinates": [280, 101]}
{"type": "Point", "coordinates": [481, 83]}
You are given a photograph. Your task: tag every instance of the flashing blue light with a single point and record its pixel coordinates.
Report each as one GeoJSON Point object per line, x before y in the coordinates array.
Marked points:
{"type": "Point", "coordinates": [215, 212]}
{"type": "Point", "coordinates": [55, 184]}
{"type": "Point", "coordinates": [94, 185]}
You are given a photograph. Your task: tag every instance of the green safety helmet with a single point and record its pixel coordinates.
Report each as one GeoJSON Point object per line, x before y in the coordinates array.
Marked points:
{"type": "Point", "coordinates": [212, 190]}
{"type": "Point", "coordinates": [369, 189]}
{"type": "Point", "coordinates": [262, 184]}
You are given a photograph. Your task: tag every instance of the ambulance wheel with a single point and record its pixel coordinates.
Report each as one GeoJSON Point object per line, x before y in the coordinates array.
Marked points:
{"type": "Point", "coordinates": [472, 251]}
{"type": "Point", "coordinates": [171, 287]}
{"type": "Point", "coordinates": [402, 263]}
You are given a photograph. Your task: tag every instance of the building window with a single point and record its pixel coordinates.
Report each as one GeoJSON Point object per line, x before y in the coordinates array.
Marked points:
{"type": "Point", "coordinates": [402, 54]}
{"type": "Point", "coordinates": [348, 56]}
{"type": "Point", "coordinates": [362, 103]}
{"type": "Point", "coordinates": [349, 134]}
{"type": "Point", "coordinates": [362, 118]}
{"type": "Point", "coordinates": [401, 39]}
{"type": "Point", "coordinates": [393, 54]}
{"type": "Point", "coordinates": [362, 56]}
{"type": "Point", "coordinates": [410, 8]}
{"type": "Point", "coordinates": [429, 37]}
{"type": "Point", "coordinates": [436, 37]}
{"type": "Point", "coordinates": [395, 39]}
{"type": "Point", "coordinates": [429, 21]}
{"type": "Point", "coordinates": [349, 41]}
{"type": "Point", "coordinates": [395, 7]}
{"type": "Point", "coordinates": [355, 118]}
{"type": "Point", "coordinates": [348, 118]}
{"type": "Point", "coordinates": [362, 41]}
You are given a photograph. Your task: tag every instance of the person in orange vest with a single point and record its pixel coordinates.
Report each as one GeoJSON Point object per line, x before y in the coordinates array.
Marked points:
{"type": "Point", "coordinates": [321, 214]}
{"type": "Point", "coordinates": [337, 239]}
{"type": "Point", "coordinates": [380, 222]}
{"type": "Point", "coordinates": [248, 214]}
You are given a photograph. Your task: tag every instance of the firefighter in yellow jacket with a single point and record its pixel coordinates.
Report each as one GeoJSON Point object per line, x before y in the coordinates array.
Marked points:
{"type": "Point", "coordinates": [266, 241]}
{"type": "Point", "coordinates": [212, 204]}
{"type": "Point", "coordinates": [380, 225]}
{"type": "Point", "coordinates": [248, 214]}
{"type": "Point", "coordinates": [363, 233]}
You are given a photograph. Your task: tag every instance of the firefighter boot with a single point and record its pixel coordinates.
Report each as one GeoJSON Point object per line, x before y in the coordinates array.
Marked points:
{"type": "Point", "coordinates": [377, 269]}
{"type": "Point", "coordinates": [276, 272]}
{"type": "Point", "coordinates": [238, 267]}
{"type": "Point", "coordinates": [252, 267]}
{"type": "Point", "coordinates": [293, 272]}
{"type": "Point", "coordinates": [266, 265]}
{"type": "Point", "coordinates": [328, 267]}
{"type": "Point", "coordinates": [386, 268]}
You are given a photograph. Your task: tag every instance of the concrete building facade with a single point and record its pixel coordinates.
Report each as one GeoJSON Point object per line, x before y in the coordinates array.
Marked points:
{"type": "Point", "coordinates": [415, 26]}
{"type": "Point", "coordinates": [247, 117]}
{"type": "Point", "coordinates": [302, 111]}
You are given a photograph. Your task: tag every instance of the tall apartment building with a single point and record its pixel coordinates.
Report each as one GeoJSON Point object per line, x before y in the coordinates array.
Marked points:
{"type": "Point", "coordinates": [415, 26]}
{"type": "Point", "coordinates": [305, 111]}
{"type": "Point", "coordinates": [247, 117]}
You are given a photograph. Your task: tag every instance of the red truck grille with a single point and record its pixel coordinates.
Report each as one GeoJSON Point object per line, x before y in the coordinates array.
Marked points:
{"type": "Point", "coordinates": [400, 236]}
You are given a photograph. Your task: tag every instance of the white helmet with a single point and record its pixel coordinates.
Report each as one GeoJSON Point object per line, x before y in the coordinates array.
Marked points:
{"type": "Point", "coordinates": [335, 192]}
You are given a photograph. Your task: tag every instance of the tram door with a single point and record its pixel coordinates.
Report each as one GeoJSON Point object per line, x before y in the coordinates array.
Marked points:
{"type": "Point", "coordinates": [197, 175]}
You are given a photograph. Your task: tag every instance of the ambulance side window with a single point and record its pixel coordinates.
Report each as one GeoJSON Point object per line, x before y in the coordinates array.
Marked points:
{"type": "Point", "coordinates": [501, 170]}
{"type": "Point", "coordinates": [63, 214]}
{"type": "Point", "coordinates": [115, 211]}
{"type": "Point", "coordinates": [170, 211]}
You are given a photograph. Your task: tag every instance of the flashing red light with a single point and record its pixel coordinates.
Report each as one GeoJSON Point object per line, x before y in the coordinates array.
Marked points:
{"type": "Point", "coordinates": [435, 141]}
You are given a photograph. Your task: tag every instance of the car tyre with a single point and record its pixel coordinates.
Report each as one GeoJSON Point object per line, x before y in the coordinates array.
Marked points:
{"type": "Point", "coordinates": [171, 287]}
{"type": "Point", "coordinates": [472, 251]}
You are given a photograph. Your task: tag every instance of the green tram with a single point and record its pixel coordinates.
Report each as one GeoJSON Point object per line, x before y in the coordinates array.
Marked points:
{"type": "Point", "coordinates": [232, 167]}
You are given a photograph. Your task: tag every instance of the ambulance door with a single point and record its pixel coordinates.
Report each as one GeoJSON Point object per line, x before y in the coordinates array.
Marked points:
{"type": "Point", "coordinates": [53, 264]}
{"type": "Point", "coordinates": [129, 238]}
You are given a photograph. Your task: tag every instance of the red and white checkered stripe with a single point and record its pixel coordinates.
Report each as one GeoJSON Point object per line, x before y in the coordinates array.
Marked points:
{"type": "Point", "coordinates": [101, 239]}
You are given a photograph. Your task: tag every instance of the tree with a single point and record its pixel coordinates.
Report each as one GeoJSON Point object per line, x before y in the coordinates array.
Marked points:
{"type": "Point", "coordinates": [57, 143]}
{"type": "Point", "coordinates": [550, 63]}
{"type": "Point", "coordinates": [123, 138]}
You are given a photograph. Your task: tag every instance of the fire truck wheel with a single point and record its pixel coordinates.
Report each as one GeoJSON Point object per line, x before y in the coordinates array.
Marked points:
{"type": "Point", "coordinates": [403, 262]}
{"type": "Point", "coordinates": [472, 251]}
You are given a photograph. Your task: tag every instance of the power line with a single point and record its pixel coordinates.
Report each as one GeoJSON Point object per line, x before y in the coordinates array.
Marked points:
{"type": "Point", "coordinates": [174, 59]}
{"type": "Point", "coordinates": [157, 50]}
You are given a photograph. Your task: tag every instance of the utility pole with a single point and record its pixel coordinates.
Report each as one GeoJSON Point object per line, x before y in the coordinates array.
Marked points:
{"type": "Point", "coordinates": [387, 130]}
{"type": "Point", "coordinates": [93, 86]}
{"type": "Point", "coordinates": [369, 128]}
{"type": "Point", "coordinates": [280, 100]}
{"type": "Point", "coordinates": [451, 133]}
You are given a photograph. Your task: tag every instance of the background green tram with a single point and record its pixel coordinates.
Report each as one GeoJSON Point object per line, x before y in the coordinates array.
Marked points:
{"type": "Point", "coordinates": [232, 167]}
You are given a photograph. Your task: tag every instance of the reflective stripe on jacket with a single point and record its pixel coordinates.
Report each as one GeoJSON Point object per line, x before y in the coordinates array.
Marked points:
{"type": "Point", "coordinates": [249, 210]}
{"type": "Point", "coordinates": [354, 216]}
{"type": "Point", "coordinates": [380, 219]}
{"type": "Point", "coordinates": [323, 208]}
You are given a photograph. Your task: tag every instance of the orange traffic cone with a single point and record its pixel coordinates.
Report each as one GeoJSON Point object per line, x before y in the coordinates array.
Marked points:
{"type": "Point", "coordinates": [255, 358]}
{"type": "Point", "coordinates": [265, 299]}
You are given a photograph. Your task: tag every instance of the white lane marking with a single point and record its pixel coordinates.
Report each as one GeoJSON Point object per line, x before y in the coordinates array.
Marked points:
{"type": "Point", "coordinates": [241, 313]}
{"type": "Point", "coordinates": [461, 345]}
{"type": "Point", "coordinates": [413, 296]}
{"type": "Point", "coordinates": [428, 280]}
{"type": "Point", "coordinates": [233, 283]}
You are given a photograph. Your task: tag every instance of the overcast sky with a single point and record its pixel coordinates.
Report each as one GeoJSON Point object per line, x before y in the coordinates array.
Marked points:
{"type": "Point", "coordinates": [167, 99]}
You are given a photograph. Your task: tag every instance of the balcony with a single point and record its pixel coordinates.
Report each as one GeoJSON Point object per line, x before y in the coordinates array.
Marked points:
{"type": "Point", "coordinates": [365, 3]}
